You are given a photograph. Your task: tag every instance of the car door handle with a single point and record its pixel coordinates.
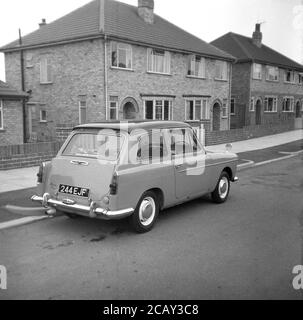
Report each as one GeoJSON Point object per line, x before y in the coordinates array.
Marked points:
{"type": "Point", "coordinates": [178, 166]}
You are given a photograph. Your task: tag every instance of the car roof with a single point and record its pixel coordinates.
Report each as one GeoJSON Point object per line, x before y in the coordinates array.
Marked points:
{"type": "Point", "coordinates": [129, 126]}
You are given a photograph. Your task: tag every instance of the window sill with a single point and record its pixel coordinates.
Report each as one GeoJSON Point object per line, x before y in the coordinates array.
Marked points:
{"type": "Point", "coordinates": [287, 82]}
{"type": "Point", "coordinates": [226, 117]}
{"type": "Point", "coordinates": [46, 83]}
{"type": "Point", "coordinates": [251, 111]}
{"type": "Point", "coordinates": [270, 111]}
{"type": "Point", "coordinates": [287, 111]}
{"type": "Point", "coordinates": [274, 81]}
{"type": "Point", "coordinates": [123, 69]}
{"type": "Point", "coordinates": [43, 121]}
{"type": "Point", "coordinates": [159, 73]}
{"type": "Point", "coordinates": [2, 130]}
{"type": "Point", "coordinates": [232, 114]}
{"type": "Point", "coordinates": [196, 77]}
{"type": "Point", "coordinates": [257, 79]}
{"type": "Point", "coordinates": [221, 80]}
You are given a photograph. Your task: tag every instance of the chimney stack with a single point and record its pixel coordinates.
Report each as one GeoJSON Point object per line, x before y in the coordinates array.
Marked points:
{"type": "Point", "coordinates": [42, 23]}
{"type": "Point", "coordinates": [257, 36]}
{"type": "Point", "coordinates": [146, 10]}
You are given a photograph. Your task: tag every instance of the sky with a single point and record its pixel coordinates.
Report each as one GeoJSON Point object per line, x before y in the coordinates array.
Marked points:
{"type": "Point", "coordinates": [282, 20]}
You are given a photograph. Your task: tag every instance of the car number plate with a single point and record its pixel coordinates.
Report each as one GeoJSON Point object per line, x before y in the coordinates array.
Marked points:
{"type": "Point", "coordinates": [75, 191]}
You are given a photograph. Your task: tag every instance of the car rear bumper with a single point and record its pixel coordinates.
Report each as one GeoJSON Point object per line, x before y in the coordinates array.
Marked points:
{"type": "Point", "coordinates": [92, 211]}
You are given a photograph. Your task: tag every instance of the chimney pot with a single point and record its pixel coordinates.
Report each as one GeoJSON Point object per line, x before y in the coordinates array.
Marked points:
{"type": "Point", "coordinates": [42, 23]}
{"type": "Point", "coordinates": [257, 36]}
{"type": "Point", "coordinates": [146, 10]}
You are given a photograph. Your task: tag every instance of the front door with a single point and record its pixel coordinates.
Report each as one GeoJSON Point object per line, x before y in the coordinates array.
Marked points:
{"type": "Point", "coordinates": [129, 111]}
{"type": "Point", "coordinates": [216, 117]}
{"type": "Point", "coordinates": [189, 164]}
{"type": "Point", "coordinates": [258, 112]}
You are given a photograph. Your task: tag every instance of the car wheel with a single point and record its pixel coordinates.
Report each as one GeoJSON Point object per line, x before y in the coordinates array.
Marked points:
{"type": "Point", "coordinates": [145, 215]}
{"type": "Point", "coordinates": [71, 215]}
{"type": "Point", "coordinates": [220, 194]}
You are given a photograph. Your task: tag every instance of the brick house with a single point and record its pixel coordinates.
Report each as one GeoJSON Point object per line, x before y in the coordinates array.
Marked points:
{"type": "Point", "coordinates": [11, 115]}
{"type": "Point", "coordinates": [108, 60]}
{"type": "Point", "coordinates": [267, 87]}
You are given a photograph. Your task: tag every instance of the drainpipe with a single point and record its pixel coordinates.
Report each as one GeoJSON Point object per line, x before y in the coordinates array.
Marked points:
{"type": "Point", "coordinates": [105, 77]}
{"type": "Point", "coordinates": [23, 88]}
{"type": "Point", "coordinates": [230, 91]}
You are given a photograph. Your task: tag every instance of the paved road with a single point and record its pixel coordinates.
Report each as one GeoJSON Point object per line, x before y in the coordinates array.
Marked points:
{"type": "Point", "coordinates": [243, 249]}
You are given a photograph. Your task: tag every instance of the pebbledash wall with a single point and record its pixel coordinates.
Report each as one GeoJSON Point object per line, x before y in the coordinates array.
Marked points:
{"type": "Point", "coordinates": [78, 73]}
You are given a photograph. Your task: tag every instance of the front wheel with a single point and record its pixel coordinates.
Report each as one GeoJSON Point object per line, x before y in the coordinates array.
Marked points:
{"type": "Point", "coordinates": [220, 194]}
{"type": "Point", "coordinates": [146, 213]}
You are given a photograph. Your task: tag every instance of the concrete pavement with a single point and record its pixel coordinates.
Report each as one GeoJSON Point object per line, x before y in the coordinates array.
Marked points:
{"type": "Point", "coordinates": [18, 179]}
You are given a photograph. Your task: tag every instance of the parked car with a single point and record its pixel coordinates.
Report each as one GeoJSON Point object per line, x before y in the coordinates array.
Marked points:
{"type": "Point", "coordinates": [132, 170]}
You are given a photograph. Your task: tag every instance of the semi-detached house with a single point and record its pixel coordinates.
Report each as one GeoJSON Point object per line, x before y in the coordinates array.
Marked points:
{"type": "Point", "coordinates": [111, 61]}
{"type": "Point", "coordinates": [267, 87]}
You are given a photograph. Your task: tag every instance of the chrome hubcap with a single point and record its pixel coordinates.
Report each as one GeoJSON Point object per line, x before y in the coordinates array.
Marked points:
{"type": "Point", "coordinates": [147, 211]}
{"type": "Point", "coordinates": [223, 187]}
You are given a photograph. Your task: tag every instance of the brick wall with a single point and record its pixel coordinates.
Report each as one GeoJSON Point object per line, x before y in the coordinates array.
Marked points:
{"type": "Point", "coordinates": [250, 132]}
{"type": "Point", "coordinates": [12, 132]}
{"type": "Point", "coordinates": [63, 131]}
{"type": "Point", "coordinates": [27, 155]}
{"type": "Point", "coordinates": [78, 71]}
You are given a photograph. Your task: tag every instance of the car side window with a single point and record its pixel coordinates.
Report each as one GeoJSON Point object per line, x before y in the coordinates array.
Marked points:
{"type": "Point", "coordinates": [183, 141]}
{"type": "Point", "coordinates": [151, 146]}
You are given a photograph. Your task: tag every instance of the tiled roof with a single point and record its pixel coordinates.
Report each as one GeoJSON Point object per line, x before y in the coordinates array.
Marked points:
{"type": "Point", "coordinates": [244, 49]}
{"type": "Point", "coordinates": [7, 92]}
{"type": "Point", "coordinates": [120, 21]}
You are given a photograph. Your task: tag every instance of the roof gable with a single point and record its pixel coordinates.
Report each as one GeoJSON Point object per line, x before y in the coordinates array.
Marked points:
{"type": "Point", "coordinates": [120, 21]}
{"type": "Point", "coordinates": [243, 49]}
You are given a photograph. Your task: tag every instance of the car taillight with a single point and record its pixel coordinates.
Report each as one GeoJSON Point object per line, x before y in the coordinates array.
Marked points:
{"type": "Point", "coordinates": [40, 173]}
{"type": "Point", "coordinates": [114, 185]}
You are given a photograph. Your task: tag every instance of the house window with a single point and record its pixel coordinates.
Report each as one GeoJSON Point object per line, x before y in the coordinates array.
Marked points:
{"type": "Point", "coordinates": [43, 116]}
{"type": "Point", "coordinates": [300, 78]}
{"type": "Point", "coordinates": [224, 109]}
{"type": "Point", "coordinates": [197, 109]}
{"type": "Point", "coordinates": [158, 61]}
{"type": "Point", "coordinates": [257, 71]}
{"type": "Point", "coordinates": [82, 111]}
{"type": "Point", "coordinates": [288, 104]}
{"type": "Point", "coordinates": [158, 109]}
{"type": "Point", "coordinates": [272, 73]}
{"type": "Point", "coordinates": [1, 114]}
{"type": "Point", "coordinates": [221, 70]}
{"type": "Point", "coordinates": [113, 108]}
{"type": "Point", "coordinates": [289, 76]}
{"type": "Point", "coordinates": [270, 104]}
{"type": "Point", "coordinates": [45, 71]}
{"type": "Point", "coordinates": [232, 107]}
{"type": "Point", "coordinates": [121, 55]}
{"type": "Point", "coordinates": [252, 104]}
{"type": "Point", "coordinates": [196, 66]}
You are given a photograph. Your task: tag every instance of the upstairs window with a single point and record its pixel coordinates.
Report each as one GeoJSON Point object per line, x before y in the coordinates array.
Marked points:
{"type": "Point", "coordinates": [1, 115]}
{"type": "Point", "coordinates": [196, 66]}
{"type": "Point", "coordinates": [158, 61]}
{"type": "Point", "coordinates": [197, 110]}
{"type": "Point", "coordinates": [289, 76]}
{"type": "Point", "coordinates": [288, 104]}
{"type": "Point", "coordinates": [43, 116]}
{"type": "Point", "coordinates": [158, 109]}
{"type": "Point", "coordinates": [121, 55]}
{"type": "Point", "coordinates": [221, 70]}
{"type": "Point", "coordinates": [45, 71]}
{"type": "Point", "coordinates": [272, 73]}
{"type": "Point", "coordinates": [270, 104]}
{"type": "Point", "coordinates": [257, 71]}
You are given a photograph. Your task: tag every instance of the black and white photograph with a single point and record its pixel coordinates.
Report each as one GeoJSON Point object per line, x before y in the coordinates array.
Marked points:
{"type": "Point", "coordinates": [151, 150]}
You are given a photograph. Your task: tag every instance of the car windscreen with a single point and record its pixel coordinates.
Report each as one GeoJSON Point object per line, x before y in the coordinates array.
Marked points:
{"type": "Point", "coordinates": [100, 145]}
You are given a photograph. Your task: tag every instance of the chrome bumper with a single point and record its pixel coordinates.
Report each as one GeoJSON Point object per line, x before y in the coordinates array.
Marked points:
{"type": "Point", "coordinates": [235, 179]}
{"type": "Point", "coordinates": [92, 211]}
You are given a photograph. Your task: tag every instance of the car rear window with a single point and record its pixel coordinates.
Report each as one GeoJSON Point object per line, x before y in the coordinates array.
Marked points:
{"type": "Point", "coordinates": [99, 145]}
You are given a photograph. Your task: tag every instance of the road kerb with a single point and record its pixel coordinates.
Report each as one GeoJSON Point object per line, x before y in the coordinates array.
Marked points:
{"type": "Point", "coordinates": [21, 222]}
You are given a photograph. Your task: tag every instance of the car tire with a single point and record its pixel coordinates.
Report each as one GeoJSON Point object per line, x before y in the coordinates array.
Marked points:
{"type": "Point", "coordinates": [146, 213]}
{"type": "Point", "coordinates": [220, 194]}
